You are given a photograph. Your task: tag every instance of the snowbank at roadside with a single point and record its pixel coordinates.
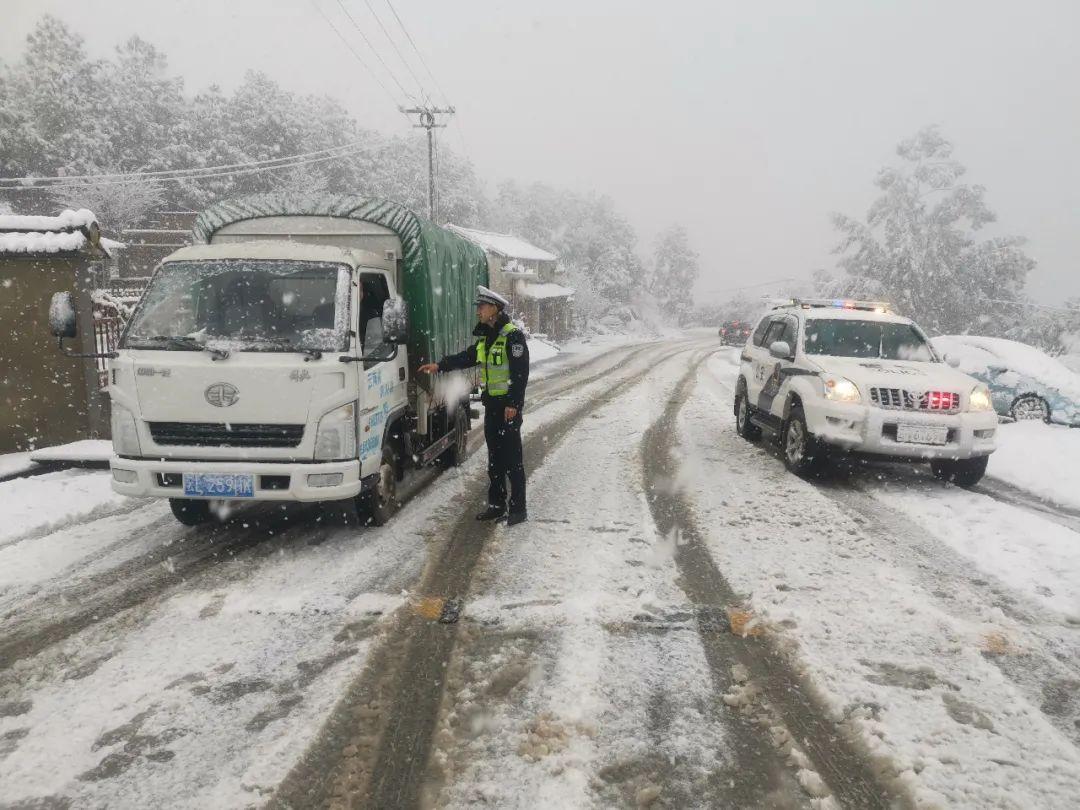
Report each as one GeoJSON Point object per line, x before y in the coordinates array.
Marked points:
{"type": "Point", "coordinates": [54, 499]}
{"type": "Point", "coordinates": [1041, 459]}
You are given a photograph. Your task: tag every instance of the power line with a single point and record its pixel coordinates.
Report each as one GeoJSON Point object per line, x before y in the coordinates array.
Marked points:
{"type": "Point", "coordinates": [378, 56]}
{"type": "Point", "coordinates": [420, 56]}
{"type": "Point", "coordinates": [353, 51]}
{"type": "Point", "coordinates": [165, 173]}
{"type": "Point", "coordinates": [175, 178]}
{"type": "Point", "coordinates": [393, 45]}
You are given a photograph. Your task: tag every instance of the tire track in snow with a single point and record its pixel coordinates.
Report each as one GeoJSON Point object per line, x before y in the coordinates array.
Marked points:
{"type": "Point", "coordinates": [836, 759]}
{"type": "Point", "coordinates": [373, 750]}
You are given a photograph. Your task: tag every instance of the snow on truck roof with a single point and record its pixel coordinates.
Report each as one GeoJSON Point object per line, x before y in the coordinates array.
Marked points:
{"type": "Point", "coordinates": [276, 249]}
{"type": "Point", "coordinates": [504, 244]}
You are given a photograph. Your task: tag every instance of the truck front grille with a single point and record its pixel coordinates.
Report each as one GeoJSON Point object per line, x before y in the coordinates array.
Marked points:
{"type": "Point", "coordinates": [901, 399]}
{"type": "Point", "coordinates": [200, 434]}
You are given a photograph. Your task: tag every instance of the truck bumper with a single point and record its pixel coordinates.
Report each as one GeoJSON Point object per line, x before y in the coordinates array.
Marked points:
{"type": "Point", "coordinates": [863, 429]}
{"type": "Point", "coordinates": [281, 481]}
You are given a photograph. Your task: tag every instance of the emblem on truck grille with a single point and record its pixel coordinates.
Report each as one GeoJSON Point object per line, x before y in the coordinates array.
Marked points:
{"type": "Point", "coordinates": [222, 395]}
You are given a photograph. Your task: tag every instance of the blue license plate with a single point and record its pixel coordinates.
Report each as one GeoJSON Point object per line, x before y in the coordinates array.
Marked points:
{"type": "Point", "coordinates": [219, 485]}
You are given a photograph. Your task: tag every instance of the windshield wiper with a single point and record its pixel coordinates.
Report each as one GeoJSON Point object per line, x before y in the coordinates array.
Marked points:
{"type": "Point", "coordinates": [309, 354]}
{"type": "Point", "coordinates": [189, 343]}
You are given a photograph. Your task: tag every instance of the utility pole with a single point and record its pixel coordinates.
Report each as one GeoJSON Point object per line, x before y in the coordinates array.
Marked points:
{"type": "Point", "coordinates": [429, 121]}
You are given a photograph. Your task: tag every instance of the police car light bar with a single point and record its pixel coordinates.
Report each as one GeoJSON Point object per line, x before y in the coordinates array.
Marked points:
{"type": "Point", "coordinates": [840, 303]}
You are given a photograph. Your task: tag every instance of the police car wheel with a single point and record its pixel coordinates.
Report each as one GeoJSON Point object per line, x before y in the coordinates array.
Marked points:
{"type": "Point", "coordinates": [964, 472]}
{"type": "Point", "coordinates": [743, 426]}
{"type": "Point", "coordinates": [190, 512]}
{"type": "Point", "coordinates": [802, 452]}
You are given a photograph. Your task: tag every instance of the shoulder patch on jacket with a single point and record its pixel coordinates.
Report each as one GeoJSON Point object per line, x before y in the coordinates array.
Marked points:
{"type": "Point", "coordinates": [518, 349]}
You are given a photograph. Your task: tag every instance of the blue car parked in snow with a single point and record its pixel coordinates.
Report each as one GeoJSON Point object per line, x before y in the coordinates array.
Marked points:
{"type": "Point", "coordinates": [1024, 382]}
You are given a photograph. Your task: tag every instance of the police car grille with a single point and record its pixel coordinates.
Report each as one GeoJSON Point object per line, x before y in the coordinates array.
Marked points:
{"type": "Point", "coordinates": [202, 434]}
{"type": "Point", "coordinates": [900, 399]}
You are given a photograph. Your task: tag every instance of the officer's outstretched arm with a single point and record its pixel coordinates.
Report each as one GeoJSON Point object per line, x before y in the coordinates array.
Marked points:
{"type": "Point", "coordinates": [453, 362]}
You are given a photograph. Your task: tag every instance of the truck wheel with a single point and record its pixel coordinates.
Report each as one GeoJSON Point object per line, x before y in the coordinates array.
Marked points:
{"type": "Point", "coordinates": [380, 504]}
{"type": "Point", "coordinates": [457, 453]}
{"type": "Point", "coordinates": [1030, 407]}
{"type": "Point", "coordinates": [743, 426]}
{"type": "Point", "coordinates": [190, 512]}
{"type": "Point", "coordinates": [964, 472]}
{"type": "Point", "coordinates": [803, 454]}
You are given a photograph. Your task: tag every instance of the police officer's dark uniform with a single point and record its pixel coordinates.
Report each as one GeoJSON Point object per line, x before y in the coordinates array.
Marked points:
{"type": "Point", "coordinates": [503, 356]}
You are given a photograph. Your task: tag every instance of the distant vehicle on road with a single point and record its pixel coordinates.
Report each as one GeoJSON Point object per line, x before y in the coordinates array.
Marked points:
{"type": "Point", "coordinates": [734, 333]}
{"type": "Point", "coordinates": [852, 377]}
{"type": "Point", "coordinates": [1024, 382]}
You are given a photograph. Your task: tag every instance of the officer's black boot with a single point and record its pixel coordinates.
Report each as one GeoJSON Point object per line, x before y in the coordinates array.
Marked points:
{"type": "Point", "coordinates": [515, 518]}
{"type": "Point", "coordinates": [492, 513]}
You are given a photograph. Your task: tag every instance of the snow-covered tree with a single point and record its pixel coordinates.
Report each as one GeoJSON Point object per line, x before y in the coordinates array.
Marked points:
{"type": "Point", "coordinates": [673, 274]}
{"type": "Point", "coordinates": [918, 249]}
{"type": "Point", "coordinates": [117, 205]}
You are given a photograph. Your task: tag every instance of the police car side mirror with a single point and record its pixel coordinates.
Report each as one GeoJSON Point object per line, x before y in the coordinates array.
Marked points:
{"type": "Point", "coordinates": [780, 350]}
{"type": "Point", "coordinates": [952, 360]}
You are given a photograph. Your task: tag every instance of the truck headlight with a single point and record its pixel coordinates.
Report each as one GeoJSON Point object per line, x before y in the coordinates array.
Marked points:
{"type": "Point", "coordinates": [336, 436]}
{"type": "Point", "coordinates": [125, 434]}
{"type": "Point", "coordinates": [841, 389]}
{"type": "Point", "coordinates": [979, 399]}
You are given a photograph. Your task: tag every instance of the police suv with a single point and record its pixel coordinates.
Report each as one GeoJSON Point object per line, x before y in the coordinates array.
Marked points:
{"type": "Point", "coordinates": [854, 377]}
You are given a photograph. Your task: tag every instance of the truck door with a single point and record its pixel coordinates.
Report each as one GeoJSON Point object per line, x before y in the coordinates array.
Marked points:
{"type": "Point", "coordinates": [383, 389]}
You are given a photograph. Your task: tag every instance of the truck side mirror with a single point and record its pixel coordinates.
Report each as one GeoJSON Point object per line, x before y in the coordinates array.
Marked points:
{"type": "Point", "coordinates": [62, 316]}
{"type": "Point", "coordinates": [780, 350]}
{"type": "Point", "coordinates": [395, 318]}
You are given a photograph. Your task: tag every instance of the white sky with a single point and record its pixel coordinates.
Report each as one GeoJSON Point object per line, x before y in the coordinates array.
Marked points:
{"type": "Point", "coordinates": [747, 122]}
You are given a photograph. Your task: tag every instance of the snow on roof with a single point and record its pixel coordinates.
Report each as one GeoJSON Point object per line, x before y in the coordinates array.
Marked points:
{"type": "Point", "coordinates": [276, 249]}
{"type": "Point", "coordinates": [544, 290]}
{"type": "Point", "coordinates": [36, 242]}
{"type": "Point", "coordinates": [65, 221]}
{"type": "Point", "coordinates": [504, 245]}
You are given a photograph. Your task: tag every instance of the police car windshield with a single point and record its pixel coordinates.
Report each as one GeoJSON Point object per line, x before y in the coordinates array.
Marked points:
{"type": "Point", "coordinates": [869, 339]}
{"type": "Point", "coordinates": [244, 305]}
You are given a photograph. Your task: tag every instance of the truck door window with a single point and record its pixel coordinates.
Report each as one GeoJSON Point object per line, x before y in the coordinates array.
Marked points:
{"type": "Point", "coordinates": [374, 292]}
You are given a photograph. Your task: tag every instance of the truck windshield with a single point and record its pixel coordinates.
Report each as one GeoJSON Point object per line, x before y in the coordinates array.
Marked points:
{"type": "Point", "coordinates": [872, 339]}
{"type": "Point", "coordinates": [243, 305]}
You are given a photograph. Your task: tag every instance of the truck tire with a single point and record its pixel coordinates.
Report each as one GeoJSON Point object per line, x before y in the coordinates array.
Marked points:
{"type": "Point", "coordinates": [743, 426]}
{"type": "Point", "coordinates": [1030, 407]}
{"type": "Point", "coordinates": [190, 512]}
{"type": "Point", "coordinates": [458, 452]}
{"type": "Point", "coordinates": [803, 454]}
{"type": "Point", "coordinates": [964, 472]}
{"type": "Point", "coordinates": [380, 504]}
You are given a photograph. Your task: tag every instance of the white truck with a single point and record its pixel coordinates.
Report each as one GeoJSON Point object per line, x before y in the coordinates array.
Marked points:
{"type": "Point", "coordinates": [854, 377]}
{"type": "Point", "coordinates": [277, 359]}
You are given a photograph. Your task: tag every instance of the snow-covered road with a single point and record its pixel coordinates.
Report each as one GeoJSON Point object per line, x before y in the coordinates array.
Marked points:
{"type": "Point", "coordinates": [898, 640]}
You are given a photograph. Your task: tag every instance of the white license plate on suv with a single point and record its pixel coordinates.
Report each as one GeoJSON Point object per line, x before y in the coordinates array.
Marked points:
{"type": "Point", "coordinates": [219, 485]}
{"type": "Point", "coordinates": [922, 434]}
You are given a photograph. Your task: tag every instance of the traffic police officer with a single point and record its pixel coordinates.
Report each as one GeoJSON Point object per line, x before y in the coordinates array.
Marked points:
{"type": "Point", "coordinates": [503, 357]}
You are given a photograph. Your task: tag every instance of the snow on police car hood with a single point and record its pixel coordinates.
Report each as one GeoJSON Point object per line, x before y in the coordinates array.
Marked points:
{"type": "Point", "coordinates": [908, 374]}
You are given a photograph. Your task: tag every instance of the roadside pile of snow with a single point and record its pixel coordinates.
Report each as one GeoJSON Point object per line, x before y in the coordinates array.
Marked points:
{"type": "Point", "coordinates": [96, 450]}
{"type": "Point", "coordinates": [38, 503]}
{"type": "Point", "coordinates": [1042, 459]}
{"type": "Point", "coordinates": [15, 463]}
{"type": "Point", "coordinates": [540, 350]}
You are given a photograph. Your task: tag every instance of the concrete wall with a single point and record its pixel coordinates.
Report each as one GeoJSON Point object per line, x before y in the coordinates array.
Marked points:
{"type": "Point", "coordinates": [46, 398]}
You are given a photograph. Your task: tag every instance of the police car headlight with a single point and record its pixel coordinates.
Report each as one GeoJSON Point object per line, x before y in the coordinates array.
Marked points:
{"type": "Point", "coordinates": [979, 399]}
{"type": "Point", "coordinates": [841, 389]}
{"type": "Point", "coordinates": [336, 436]}
{"type": "Point", "coordinates": [125, 433]}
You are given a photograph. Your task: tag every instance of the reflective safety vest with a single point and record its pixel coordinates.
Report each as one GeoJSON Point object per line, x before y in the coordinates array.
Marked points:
{"type": "Point", "coordinates": [495, 363]}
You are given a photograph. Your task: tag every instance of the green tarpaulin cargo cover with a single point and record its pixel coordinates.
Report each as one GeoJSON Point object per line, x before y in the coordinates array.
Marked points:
{"type": "Point", "coordinates": [440, 270]}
